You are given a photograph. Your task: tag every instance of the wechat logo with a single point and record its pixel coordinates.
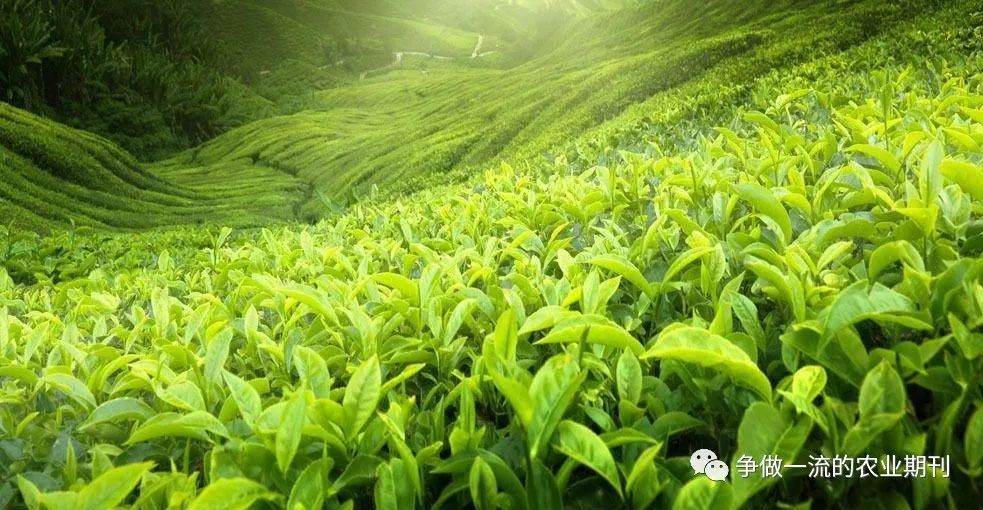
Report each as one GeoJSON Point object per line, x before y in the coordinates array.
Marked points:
{"type": "Point", "coordinates": [706, 462]}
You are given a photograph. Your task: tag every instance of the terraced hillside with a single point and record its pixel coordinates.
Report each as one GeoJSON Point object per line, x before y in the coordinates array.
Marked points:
{"type": "Point", "coordinates": [282, 51]}
{"type": "Point", "coordinates": [287, 46]}
{"type": "Point", "coordinates": [54, 176]}
{"type": "Point", "coordinates": [602, 81]}
{"type": "Point", "coordinates": [427, 121]}
{"type": "Point", "coordinates": [406, 129]}
{"type": "Point", "coordinates": [326, 36]}
{"type": "Point", "coordinates": [156, 76]}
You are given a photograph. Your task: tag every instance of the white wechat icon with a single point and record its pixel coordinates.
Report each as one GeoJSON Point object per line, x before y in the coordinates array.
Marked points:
{"type": "Point", "coordinates": [701, 458]}
{"type": "Point", "coordinates": [717, 470]}
{"type": "Point", "coordinates": [706, 462]}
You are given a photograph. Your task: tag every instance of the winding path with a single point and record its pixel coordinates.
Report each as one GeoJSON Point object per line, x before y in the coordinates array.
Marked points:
{"type": "Point", "coordinates": [398, 57]}
{"type": "Point", "coordinates": [477, 48]}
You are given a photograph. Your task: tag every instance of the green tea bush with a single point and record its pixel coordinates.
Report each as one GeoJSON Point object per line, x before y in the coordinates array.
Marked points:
{"type": "Point", "coordinates": [805, 281]}
{"type": "Point", "coordinates": [56, 177]}
{"type": "Point", "coordinates": [776, 253]}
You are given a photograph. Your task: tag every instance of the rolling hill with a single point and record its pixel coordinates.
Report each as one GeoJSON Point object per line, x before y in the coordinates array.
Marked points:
{"type": "Point", "coordinates": [55, 176]}
{"type": "Point", "coordinates": [429, 120]}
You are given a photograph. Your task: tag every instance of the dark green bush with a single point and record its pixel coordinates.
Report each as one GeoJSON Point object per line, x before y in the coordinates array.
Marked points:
{"type": "Point", "coordinates": [141, 72]}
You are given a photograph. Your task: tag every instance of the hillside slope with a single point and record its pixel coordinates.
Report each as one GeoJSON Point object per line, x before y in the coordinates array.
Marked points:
{"type": "Point", "coordinates": [406, 129]}
{"type": "Point", "coordinates": [181, 71]}
{"type": "Point", "coordinates": [160, 76]}
{"type": "Point", "coordinates": [55, 176]}
{"type": "Point", "coordinates": [601, 81]}
{"type": "Point", "coordinates": [316, 44]}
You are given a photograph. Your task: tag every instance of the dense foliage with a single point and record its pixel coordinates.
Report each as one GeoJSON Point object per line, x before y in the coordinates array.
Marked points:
{"type": "Point", "coordinates": [54, 176]}
{"type": "Point", "coordinates": [139, 73]}
{"type": "Point", "coordinates": [804, 281]}
{"type": "Point", "coordinates": [781, 256]}
{"type": "Point", "coordinates": [157, 76]}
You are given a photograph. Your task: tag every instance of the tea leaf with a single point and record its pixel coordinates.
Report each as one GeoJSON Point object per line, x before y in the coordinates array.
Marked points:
{"type": "Point", "coordinates": [483, 485]}
{"type": "Point", "coordinates": [700, 347]}
{"type": "Point", "coordinates": [231, 494]}
{"type": "Point", "coordinates": [552, 390]}
{"type": "Point", "coordinates": [581, 444]}
{"type": "Point", "coordinates": [288, 434]}
{"type": "Point", "coordinates": [112, 487]}
{"type": "Point", "coordinates": [195, 425]}
{"type": "Point", "coordinates": [362, 396]}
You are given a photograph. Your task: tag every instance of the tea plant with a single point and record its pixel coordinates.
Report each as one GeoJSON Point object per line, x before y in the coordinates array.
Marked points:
{"type": "Point", "coordinates": [804, 281]}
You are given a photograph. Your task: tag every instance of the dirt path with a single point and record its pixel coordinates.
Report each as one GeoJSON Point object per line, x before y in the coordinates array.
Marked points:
{"type": "Point", "coordinates": [477, 48]}
{"type": "Point", "coordinates": [398, 57]}
{"type": "Point", "coordinates": [419, 54]}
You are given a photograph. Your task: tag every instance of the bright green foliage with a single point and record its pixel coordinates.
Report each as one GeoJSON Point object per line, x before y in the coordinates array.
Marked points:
{"type": "Point", "coordinates": [645, 67]}
{"type": "Point", "coordinates": [698, 346]}
{"type": "Point", "coordinates": [156, 76]}
{"type": "Point", "coordinates": [658, 70]}
{"type": "Point", "coordinates": [805, 279]}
